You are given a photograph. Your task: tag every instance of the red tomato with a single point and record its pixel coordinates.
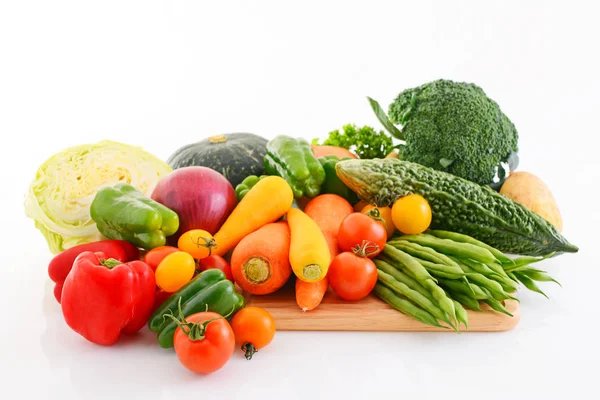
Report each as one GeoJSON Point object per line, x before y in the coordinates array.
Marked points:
{"type": "Point", "coordinates": [206, 347]}
{"type": "Point", "coordinates": [156, 255]}
{"type": "Point", "coordinates": [352, 277]}
{"type": "Point", "coordinates": [358, 230]}
{"type": "Point", "coordinates": [217, 262]}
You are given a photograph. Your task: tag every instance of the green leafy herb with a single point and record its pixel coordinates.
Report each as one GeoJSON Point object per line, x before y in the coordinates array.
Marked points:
{"type": "Point", "coordinates": [364, 141]}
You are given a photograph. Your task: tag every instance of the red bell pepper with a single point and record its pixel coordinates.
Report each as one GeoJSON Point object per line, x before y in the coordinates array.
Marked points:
{"type": "Point", "coordinates": [61, 264]}
{"type": "Point", "coordinates": [103, 297]}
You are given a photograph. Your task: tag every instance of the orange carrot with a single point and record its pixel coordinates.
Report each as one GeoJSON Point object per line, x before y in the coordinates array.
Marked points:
{"type": "Point", "coordinates": [320, 151]}
{"type": "Point", "coordinates": [310, 295]}
{"type": "Point", "coordinates": [328, 211]}
{"type": "Point", "coordinates": [260, 262]}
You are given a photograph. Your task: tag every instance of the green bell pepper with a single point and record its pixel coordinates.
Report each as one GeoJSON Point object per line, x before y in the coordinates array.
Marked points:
{"type": "Point", "coordinates": [333, 184]}
{"type": "Point", "coordinates": [293, 160]}
{"type": "Point", "coordinates": [248, 183]}
{"type": "Point", "coordinates": [123, 212]}
{"type": "Point", "coordinates": [208, 291]}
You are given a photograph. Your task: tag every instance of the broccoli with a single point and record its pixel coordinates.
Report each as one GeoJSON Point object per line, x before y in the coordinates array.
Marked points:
{"type": "Point", "coordinates": [365, 141]}
{"type": "Point", "coordinates": [455, 127]}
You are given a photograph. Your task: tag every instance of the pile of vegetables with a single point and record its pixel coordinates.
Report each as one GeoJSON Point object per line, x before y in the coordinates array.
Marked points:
{"type": "Point", "coordinates": [174, 246]}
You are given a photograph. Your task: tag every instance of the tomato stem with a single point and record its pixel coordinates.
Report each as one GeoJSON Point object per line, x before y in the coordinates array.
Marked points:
{"type": "Point", "coordinates": [366, 249]}
{"type": "Point", "coordinates": [208, 243]}
{"type": "Point", "coordinates": [193, 330]}
{"type": "Point", "coordinates": [376, 215]}
{"type": "Point", "coordinates": [249, 350]}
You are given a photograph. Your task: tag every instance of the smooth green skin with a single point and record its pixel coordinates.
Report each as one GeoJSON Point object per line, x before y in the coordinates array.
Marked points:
{"type": "Point", "coordinates": [458, 205]}
{"type": "Point", "coordinates": [220, 298]}
{"type": "Point", "coordinates": [466, 301]}
{"type": "Point", "coordinates": [190, 289]}
{"type": "Point", "coordinates": [123, 212]}
{"type": "Point", "coordinates": [450, 247]}
{"type": "Point", "coordinates": [293, 160]}
{"type": "Point", "coordinates": [403, 290]}
{"type": "Point", "coordinates": [333, 184]}
{"type": "Point", "coordinates": [459, 237]}
{"type": "Point", "coordinates": [496, 305]}
{"type": "Point", "coordinates": [529, 283]}
{"type": "Point", "coordinates": [421, 274]}
{"type": "Point", "coordinates": [422, 252]}
{"type": "Point", "coordinates": [405, 306]}
{"type": "Point", "coordinates": [390, 267]}
{"type": "Point", "coordinates": [248, 183]}
{"type": "Point", "coordinates": [461, 314]}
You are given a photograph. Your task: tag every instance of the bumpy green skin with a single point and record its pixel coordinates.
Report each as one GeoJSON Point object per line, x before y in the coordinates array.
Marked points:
{"type": "Point", "coordinates": [457, 205]}
{"type": "Point", "coordinates": [446, 120]}
{"type": "Point", "coordinates": [293, 160]}
{"type": "Point", "coordinates": [123, 212]}
{"type": "Point", "coordinates": [333, 184]}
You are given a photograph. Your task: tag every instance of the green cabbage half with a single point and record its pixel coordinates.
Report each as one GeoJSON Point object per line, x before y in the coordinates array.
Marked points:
{"type": "Point", "coordinates": [59, 198]}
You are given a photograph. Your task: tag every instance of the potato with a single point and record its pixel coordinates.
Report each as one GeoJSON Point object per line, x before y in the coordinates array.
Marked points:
{"type": "Point", "coordinates": [531, 192]}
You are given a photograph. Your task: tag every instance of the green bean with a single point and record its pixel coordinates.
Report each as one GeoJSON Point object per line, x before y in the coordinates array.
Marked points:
{"type": "Point", "coordinates": [402, 277]}
{"type": "Point", "coordinates": [421, 274]}
{"type": "Point", "coordinates": [522, 261]}
{"type": "Point", "coordinates": [529, 283]}
{"type": "Point", "coordinates": [496, 305]}
{"type": "Point", "coordinates": [414, 296]}
{"type": "Point", "coordinates": [405, 306]}
{"type": "Point", "coordinates": [539, 275]}
{"type": "Point", "coordinates": [461, 314]}
{"type": "Point", "coordinates": [422, 252]}
{"type": "Point", "coordinates": [449, 247]}
{"type": "Point", "coordinates": [492, 286]}
{"type": "Point", "coordinates": [455, 286]}
{"type": "Point", "coordinates": [507, 284]}
{"type": "Point", "coordinates": [483, 269]}
{"type": "Point", "coordinates": [412, 265]}
{"type": "Point", "coordinates": [467, 301]}
{"type": "Point", "coordinates": [454, 272]}
{"type": "Point", "coordinates": [459, 237]}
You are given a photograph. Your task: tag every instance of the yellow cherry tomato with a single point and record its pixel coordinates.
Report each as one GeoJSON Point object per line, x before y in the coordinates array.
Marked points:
{"type": "Point", "coordinates": [196, 242]}
{"type": "Point", "coordinates": [174, 271]}
{"type": "Point", "coordinates": [411, 214]}
{"type": "Point", "coordinates": [385, 214]}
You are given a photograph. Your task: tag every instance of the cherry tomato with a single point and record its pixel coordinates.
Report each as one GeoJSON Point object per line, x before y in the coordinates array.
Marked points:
{"type": "Point", "coordinates": [159, 297]}
{"type": "Point", "coordinates": [411, 214]}
{"type": "Point", "coordinates": [352, 277]}
{"type": "Point", "coordinates": [174, 271]}
{"type": "Point", "coordinates": [383, 215]}
{"type": "Point", "coordinates": [156, 255]}
{"type": "Point", "coordinates": [254, 328]}
{"type": "Point", "coordinates": [196, 242]}
{"type": "Point", "coordinates": [216, 262]}
{"type": "Point", "coordinates": [359, 230]}
{"type": "Point", "coordinates": [207, 343]}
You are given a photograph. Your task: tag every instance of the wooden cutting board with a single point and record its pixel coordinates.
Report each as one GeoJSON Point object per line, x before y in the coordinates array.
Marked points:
{"type": "Point", "coordinates": [368, 314]}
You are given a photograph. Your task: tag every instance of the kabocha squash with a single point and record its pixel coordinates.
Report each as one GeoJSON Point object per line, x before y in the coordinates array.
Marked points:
{"type": "Point", "coordinates": [458, 205]}
{"type": "Point", "coordinates": [235, 155]}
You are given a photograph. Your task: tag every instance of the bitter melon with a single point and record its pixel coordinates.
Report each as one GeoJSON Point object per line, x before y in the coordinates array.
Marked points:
{"type": "Point", "coordinates": [457, 205]}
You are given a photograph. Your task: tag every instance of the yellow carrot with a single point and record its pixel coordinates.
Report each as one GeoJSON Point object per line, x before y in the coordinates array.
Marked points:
{"type": "Point", "coordinates": [266, 202]}
{"type": "Point", "coordinates": [309, 251]}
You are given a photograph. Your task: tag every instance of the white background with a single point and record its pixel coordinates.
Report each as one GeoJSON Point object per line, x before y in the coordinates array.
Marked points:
{"type": "Point", "coordinates": [163, 74]}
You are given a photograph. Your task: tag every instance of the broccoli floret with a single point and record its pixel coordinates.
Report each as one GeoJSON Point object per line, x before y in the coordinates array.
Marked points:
{"type": "Point", "coordinates": [455, 127]}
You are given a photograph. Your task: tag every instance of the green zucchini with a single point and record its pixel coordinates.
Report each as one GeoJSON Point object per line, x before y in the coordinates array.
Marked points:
{"type": "Point", "coordinates": [457, 205]}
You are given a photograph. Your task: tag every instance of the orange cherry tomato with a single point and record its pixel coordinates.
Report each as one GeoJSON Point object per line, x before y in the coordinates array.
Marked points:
{"type": "Point", "coordinates": [196, 242]}
{"type": "Point", "coordinates": [207, 343]}
{"type": "Point", "coordinates": [383, 215]}
{"type": "Point", "coordinates": [174, 271]}
{"type": "Point", "coordinates": [254, 328]}
{"type": "Point", "coordinates": [156, 255]}
{"type": "Point", "coordinates": [411, 214]}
